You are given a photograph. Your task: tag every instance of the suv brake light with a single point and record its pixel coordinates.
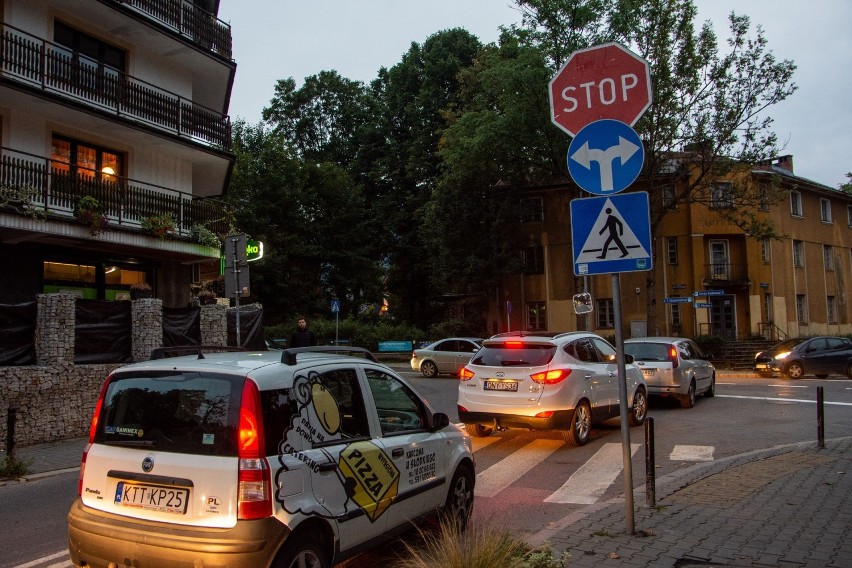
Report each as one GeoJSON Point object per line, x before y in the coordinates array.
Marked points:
{"type": "Point", "coordinates": [673, 356]}
{"type": "Point", "coordinates": [466, 374]}
{"type": "Point", "coordinates": [552, 377]}
{"type": "Point", "coordinates": [254, 499]}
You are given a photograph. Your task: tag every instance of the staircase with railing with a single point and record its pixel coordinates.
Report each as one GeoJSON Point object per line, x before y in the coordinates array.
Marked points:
{"type": "Point", "coordinates": [739, 355]}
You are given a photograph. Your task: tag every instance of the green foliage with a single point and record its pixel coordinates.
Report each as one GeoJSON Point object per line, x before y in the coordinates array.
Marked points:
{"type": "Point", "coordinates": [90, 212]}
{"type": "Point", "coordinates": [711, 345]}
{"type": "Point", "coordinates": [162, 226]}
{"type": "Point", "coordinates": [21, 198]}
{"type": "Point", "coordinates": [12, 467]}
{"type": "Point", "coordinates": [358, 333]}
{"type": "Point", "coordinates": [204, 236]}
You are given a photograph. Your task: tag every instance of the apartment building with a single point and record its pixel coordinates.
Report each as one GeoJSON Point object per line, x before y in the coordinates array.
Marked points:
{"type": "Point", "coordinates": [114, 144]}
{"type": "Point", "coordinates": [708, 276]}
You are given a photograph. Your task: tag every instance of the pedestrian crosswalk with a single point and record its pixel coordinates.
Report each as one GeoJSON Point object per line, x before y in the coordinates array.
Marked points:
{"type": "Point", "coordinates": [585, 486]}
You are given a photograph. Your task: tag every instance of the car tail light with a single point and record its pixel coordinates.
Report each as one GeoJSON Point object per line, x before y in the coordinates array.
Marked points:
{"type": "Point", "coordinates": [673, 356]}
{"type": "Point", "coordinates": [93, 428]}
{"type": "Point", "coordinates": [465, 374]}
{"type": "Point", "coordinates": [513, 344]}
{"type": "Point", "coordinates": [255, 493]}
{"type": "Point", "coordinates": [551, 377]}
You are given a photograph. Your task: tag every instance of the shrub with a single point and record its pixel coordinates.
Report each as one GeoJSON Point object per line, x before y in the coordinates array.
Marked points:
{"type": "Point", "coordinates": [204, 236]}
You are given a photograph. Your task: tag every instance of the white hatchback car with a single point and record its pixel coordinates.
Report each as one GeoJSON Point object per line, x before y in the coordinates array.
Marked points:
{"type": "Point", "coordinates": [673, 366]}
{"type": "Point", "coordinates": [567, 382]}
{"type": "Point", "coordinates": [277, 459]}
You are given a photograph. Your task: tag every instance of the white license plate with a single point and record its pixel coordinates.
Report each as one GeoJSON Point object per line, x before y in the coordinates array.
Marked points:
{"type": "Point", "coordinates": [152, 497]}
{"type": "Point", "coordinates": [501, 386]}
{"type": "Point", "coordinates": [761, 366]}
{"type": "Point", "coordinates": [649, 372]}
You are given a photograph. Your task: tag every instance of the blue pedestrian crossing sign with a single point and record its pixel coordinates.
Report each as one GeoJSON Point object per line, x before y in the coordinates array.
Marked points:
{"type": "Point", "coordinates": [611, 234]}
{"type": "Point", "coordinates": [605, 157]}
{"type": "Point", "coordinates": [335, 306]}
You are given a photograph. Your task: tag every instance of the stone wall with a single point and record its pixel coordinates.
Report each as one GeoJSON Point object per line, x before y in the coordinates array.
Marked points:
{"type": "Point", "coordinates": [55, 398]}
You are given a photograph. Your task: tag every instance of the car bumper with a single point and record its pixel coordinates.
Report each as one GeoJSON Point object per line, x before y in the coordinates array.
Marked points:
{"type": "Point", "coordinates": [99, 540]}
{"type": "Point", "coordinates": [766, 368]}
{"type": "Point", "coordinates": [559, 420]}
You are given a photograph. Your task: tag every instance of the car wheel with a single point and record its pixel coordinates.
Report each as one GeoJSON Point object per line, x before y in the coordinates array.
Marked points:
{"type": "Point", "coordinates": [640, 408]}
{"type": "Point", "coordinates": [459, 505]}
{"type": "Point", "coordinates": [688, 400]}
{"type": "Point", "coordinates": [581, 426]}
{"type": "Point", "coordinates": [429, 369]}
{"type": "Point", "coordinates": [795, 370]}
{"type": "Point", "coordinates": [711, 390]}
{"type": "Point", "coordinates": [303, 551]}
{"type": "Point", "coordinates": [478, 430]}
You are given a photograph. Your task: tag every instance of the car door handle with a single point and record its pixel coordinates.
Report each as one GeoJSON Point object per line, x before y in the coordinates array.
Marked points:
{"type": "Point", "coordinates": [329, 466]}
{"type": "Point", "coordinates": [397, 453]}
{"type": "Point", "coordinates": [587, 377]}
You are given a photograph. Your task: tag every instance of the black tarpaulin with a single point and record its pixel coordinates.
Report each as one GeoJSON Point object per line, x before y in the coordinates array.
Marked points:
{"type": "Point", "coordinates": [103, 332]}
{"type": "Point", "coordinates": [17, 340]}
{"type": "Point", "coordinates": [181, 326]}
{"type": "Point", "coordinates": [251, 329]}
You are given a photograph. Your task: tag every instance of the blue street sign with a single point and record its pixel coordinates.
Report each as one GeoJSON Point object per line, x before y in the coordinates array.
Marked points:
{"type": "Point", "coordinates": [702, 305]}
{"type": "Point", "coordinates": [605, 157]}
{"type": "Point", "coordinates": [677, 300]}
{"type": "Point", "coordinates": [335, 306]}
{"type": "Point", "coordinates": [709, 293]}
{"type": "Point", "coordinates": [611, 234]}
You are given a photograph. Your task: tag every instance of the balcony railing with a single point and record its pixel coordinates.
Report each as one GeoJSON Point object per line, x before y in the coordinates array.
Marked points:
{"type": "Point", "coordinates": [54, 187]}
{"type": "Point", "coordinates": [56, 69]}
{"type": "Point", "coordinates": [726, 272]}
{"type": "Point", "coordinates": [198, 25]}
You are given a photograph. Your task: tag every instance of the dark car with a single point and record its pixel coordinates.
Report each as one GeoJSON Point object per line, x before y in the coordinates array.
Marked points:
{"type": "Point", "coordinates": [820, 356]}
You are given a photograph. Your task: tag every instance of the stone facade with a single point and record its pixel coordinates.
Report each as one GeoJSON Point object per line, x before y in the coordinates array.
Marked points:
{"type": "Point", "coordinates": [54, 399]}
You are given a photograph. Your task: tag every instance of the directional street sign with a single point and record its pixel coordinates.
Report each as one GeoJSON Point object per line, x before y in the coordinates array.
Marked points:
{"type": "Point", "coordinates": [604, 81]}
{"type": "Point", "coordinates": [605, 157]}
{"type": "Point", "coordinates": [677, 300]}
{"type": "Point", "coordinates": [709, 293]}
{"type": "Point", "coordinates": [611, 234]}
{"type": "Point", "coordinates": [702, 305]}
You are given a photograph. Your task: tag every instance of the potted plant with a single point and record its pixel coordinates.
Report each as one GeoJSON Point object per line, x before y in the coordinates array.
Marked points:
{"type": "Point", "coordinates": [206, 297]}
{"type": "Point", "coordinates": [90, 212]}
{"type": "Point", "coordinates": [161, 226]}
{"type": "Point", "coordinates": [140, 290]}
{"type": "Point", "coordinates": [204, 236]}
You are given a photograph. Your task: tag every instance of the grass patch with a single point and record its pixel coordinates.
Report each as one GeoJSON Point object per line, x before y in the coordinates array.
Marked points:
{"type": "Point", "coordinates": [481, 545]}
{"type": "Point", "coordinates": [12, 468]}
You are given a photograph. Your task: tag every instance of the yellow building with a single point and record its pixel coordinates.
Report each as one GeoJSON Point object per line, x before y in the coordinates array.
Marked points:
{"type": "Point", "coordinates": [708, 276]}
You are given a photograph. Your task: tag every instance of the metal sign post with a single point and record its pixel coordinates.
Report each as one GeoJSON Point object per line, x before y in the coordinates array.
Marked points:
{"type": "Point", "coordinates": [622, 405]}
{"type": "Point", "coordinates": [236, 272]}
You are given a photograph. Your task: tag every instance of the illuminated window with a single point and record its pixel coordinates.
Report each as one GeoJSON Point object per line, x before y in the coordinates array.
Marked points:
{"type": "Point", "coordinates": [85, 160]}
{"type": "Point", "coordinates": [536, 315]}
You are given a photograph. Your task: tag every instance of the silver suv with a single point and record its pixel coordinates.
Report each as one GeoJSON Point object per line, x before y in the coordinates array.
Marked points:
{"type": "Point", "coordinates": [284, 458]}
{"type": "Point", "coordinates": [567, 382]}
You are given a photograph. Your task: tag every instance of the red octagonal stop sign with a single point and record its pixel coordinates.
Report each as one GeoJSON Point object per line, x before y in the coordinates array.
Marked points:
{"type": "Point", "coordinates": [604, 81]}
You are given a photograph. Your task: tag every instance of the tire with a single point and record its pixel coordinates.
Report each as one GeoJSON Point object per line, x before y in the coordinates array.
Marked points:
{"type": "Point", "coordinates": [711, 390]}
{"type": "Point", "coordinates": [639, 411]}
{"type": "Point", "coordinates": [581, 425]}
{"type": "Point", "coordinates": [478, 430]}
{"type": "Point", "coordinates": [795, 370]}
{"type": "Point", "coordinates": [688, 400]}
{"type": "Point", "coordinates": [429, 369]}
{"type": "Point", "coordinates": [459, 504]}
{"type": "Point", "coordinates": [303, 550]}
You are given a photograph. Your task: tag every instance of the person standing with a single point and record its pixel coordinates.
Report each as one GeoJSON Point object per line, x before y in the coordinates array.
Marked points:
{"type": "Point", "coordinates": [302, 337]}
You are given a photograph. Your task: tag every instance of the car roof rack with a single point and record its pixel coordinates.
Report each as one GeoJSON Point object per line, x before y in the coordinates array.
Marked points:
{"type": "Point", "coordinates": [288, 356]}
{"type": "Point", "coordinates": [181, 350]}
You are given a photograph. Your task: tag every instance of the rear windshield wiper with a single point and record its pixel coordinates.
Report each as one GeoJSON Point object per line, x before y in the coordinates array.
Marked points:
{"type": "Point", "coordinates": [132, 443]}
{"type": "Point", "coordinates": [514, 363]}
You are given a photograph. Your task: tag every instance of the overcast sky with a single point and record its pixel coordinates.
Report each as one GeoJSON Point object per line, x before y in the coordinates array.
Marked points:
{"type": "Point", "coordinates": [276, 39]}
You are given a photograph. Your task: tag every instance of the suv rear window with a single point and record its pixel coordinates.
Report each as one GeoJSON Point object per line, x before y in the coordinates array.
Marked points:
{"type": "Point", "coordinates": [191, 413]}
{"type": "Point", "coordinates": [510, 355]}
{"type": "Point", "coordinates": [647, 351]}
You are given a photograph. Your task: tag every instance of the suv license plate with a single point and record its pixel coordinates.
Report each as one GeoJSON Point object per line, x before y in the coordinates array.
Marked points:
{"type": "Point", "coordinates": [152, 497]}
{"type": "Point", "coordinates": [501, 386]}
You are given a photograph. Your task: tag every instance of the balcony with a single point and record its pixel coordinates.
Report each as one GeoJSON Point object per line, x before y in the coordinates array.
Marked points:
{"type": "Point", "coordinates": [55, 69]}
{"type": "Point", "coordinates": [726, 274]}
{"type": "Point", "coordinates": [52, 188]}
{"type": "Point", "coordinates": [188, 20]}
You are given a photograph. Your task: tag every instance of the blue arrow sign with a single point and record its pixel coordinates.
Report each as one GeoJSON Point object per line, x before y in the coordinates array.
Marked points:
{"type": "Point", "coordinates": [611, 234]}
{"type": "Point", "coordinates": [605, 157]}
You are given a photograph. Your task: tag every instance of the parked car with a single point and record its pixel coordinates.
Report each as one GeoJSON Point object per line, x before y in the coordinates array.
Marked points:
{"type": "Point", "coordinates": [567, 383]}
{"type": "Point", "coordinates": [444, 356]}
{"type": "Point", "coordinates": [820, 356]}
{"type": "Point", "coordinates": [283, 458]}
{"type": "Point", "coordinates": [673, 366]}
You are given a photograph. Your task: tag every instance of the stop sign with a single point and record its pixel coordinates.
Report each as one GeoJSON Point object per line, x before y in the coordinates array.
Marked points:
{"type": "Point", "coordinates": [604, 81]}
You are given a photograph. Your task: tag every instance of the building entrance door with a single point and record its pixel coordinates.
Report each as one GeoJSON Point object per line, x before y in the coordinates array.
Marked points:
{"type": "Point", "coordinates": [723, 316]}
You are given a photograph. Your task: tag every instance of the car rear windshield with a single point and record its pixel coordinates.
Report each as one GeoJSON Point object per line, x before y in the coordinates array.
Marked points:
{"type": "Point", "coordinates": [511, 355]}
{"type": "Point", "coordinates": [191, 413]}
{"type": "Point", "coordinates": [648, 351]}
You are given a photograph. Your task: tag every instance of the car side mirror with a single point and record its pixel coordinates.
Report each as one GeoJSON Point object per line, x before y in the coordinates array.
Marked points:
{"type": "Point", "coordinates": [628, 358]}
{"type": "Point", "coordinates": [440, 420]}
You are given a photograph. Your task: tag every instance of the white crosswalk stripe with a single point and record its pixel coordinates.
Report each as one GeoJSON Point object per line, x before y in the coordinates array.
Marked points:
{"type": "Point", "coordinates": [42, 562]}
{"type": "Point", "coordinates": [691, 453]}
{"type": "Point", "coordinates": [508, 470]}
{"type": "Point", "coordinates": [593, 478]}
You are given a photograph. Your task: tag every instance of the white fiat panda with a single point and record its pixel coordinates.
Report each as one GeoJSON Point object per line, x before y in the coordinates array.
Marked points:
{"type": "Point", "coordinates": [299, 457]}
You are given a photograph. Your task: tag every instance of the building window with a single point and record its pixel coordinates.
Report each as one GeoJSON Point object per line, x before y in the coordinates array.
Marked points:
{"type": "Point", "coordinates": [534, 260]}
{"type": "Point", "coordinates": [606, 313]}
{"type": "Point", "coordinates": [531, 210]}
{"type": "Point", "coordinates": [796, 204]}
{"type": "Point", "coordinates": [825, 210]}
{"type": "Point", "coordinates": [536, 315]}
{"type": "Point", "coordinates": [75, 158]}
{"type": "Point", "coordinates": [721, 196]}
{"type": "Point", "coordinates": [767, 307]}
{"type": "Point", "coordinates": [801, 308]}
{"type": "Point", "coordinates": [763, 197]}
{"type": "Point", "coordinates": [849, 215]}
{"type": "Point", "coordinates": [100, 281]}
{"type": "Point", "coordinates": [765, 250]}
{"type": "Point", "coordinates": [85, 62]}
{"type": "Point", "coordinates": [669, 196]}
{"type": "Point", "coordinates": [831, 309]}
{"type": "Point", "coordinates": [671, 246]}
{"type": "Point", "coordinates": [828, 256]}
{"type": "Point", "coordinates": [676, 319]}
{"type": "Point", "coordinates": [798, 254]}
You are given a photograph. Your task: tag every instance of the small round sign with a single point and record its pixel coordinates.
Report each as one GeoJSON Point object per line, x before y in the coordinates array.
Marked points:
{"type": "Point", "coordinates": [605, 157]}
